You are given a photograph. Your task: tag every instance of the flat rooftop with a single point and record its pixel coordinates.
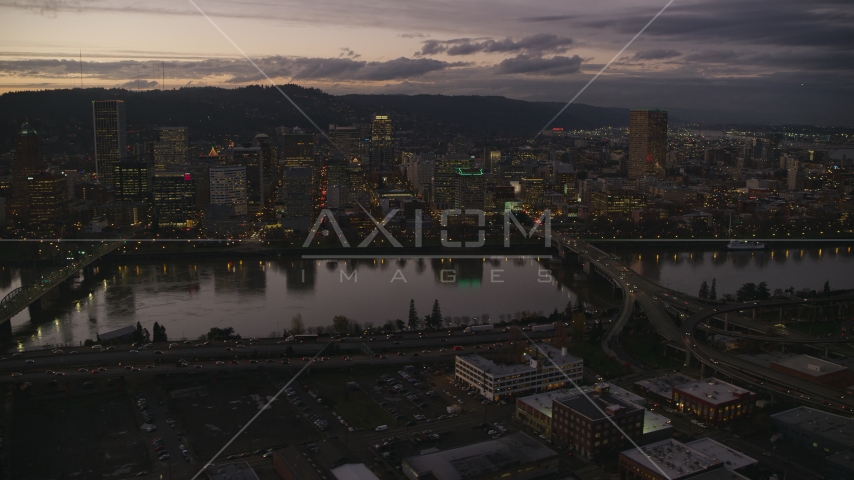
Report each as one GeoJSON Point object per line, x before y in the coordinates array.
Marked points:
{"type": "Point", "coordinates": [653, 422]}
{"type": "Point", "coordinates": [482, 458]}
{"type": "Point", "coordinates": [833, 427]}
{"type": "Point", "coordinates": [542, 402]}
{"type": "Point", "coordinates": [719, 474]}
{"type": "Point", "coordinates": [583, 406]}
{"type": "Point", "coordinates": [676, 459]}
{"type": "Point", "coordinates": [231, 471]}
{"type": "Point", "coordinates": [497, 370]}
{"type": "Point", "coordinates": [353, 471]}
{"type": "Point", "coordinates": [732, 459]}
{"type": "Point", "coordinates": [663, 385]}
{"type": "Point", "coordinates": [713, 390]}
{"type": "Point", "coordinates": [808, 365]}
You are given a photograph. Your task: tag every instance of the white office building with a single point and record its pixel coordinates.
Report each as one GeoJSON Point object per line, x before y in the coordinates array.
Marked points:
{"type": "Point", "coordinates": [536, 372]}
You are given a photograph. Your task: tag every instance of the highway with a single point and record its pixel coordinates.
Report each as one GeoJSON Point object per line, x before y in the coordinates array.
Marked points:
{"type": "Point", "coordinates": [33, 364]}
{"type": "Point", "coordinates": [654, 299]}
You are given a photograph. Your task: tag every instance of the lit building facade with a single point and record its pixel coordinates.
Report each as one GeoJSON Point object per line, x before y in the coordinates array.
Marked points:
{"type": "Point", "coordinates": [295, 194]}
{"type": "Point", "coordinates": [647, 143]}
{"type": "Point", "coordinates": [108, 117]}
{"type": "Point", "coordinates": [470, 184]}
{"type": "Point", "coordinates": [26, 164]}
{"type": "Point", "coordinates": [445, 179]}
{"type": "Point", "coordinates": [228, 188]}
{"type": "Point", "coordinates": [382, 144]}
{"type": "Point", "coordinates": [48, 194]}
{"type": "Point", "coordinates": [536, 373]}
{"type": "Point", "coordinates": [174, 199]}
{"type": "Point", "coordinates": [713, 401]}
{"type": "Point", "coordinates": [617, 203]}
{"type": "Point", "coordinates": [171, 148]}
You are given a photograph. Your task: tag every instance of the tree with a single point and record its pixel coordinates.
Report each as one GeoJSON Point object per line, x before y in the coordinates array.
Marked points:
{"type": "Point", "coordinates": [713, 293]}
{"type": "Point", "coordinates": [579, 323]}
{"type": "Point", "coordinates": [341, 324]}
{"type": "Point", "coordinates": [436, 315]}
{"type": "Point", "coordinates": [746, 293]}
{"type": "Point", "coordinates": [762, 292]}
{"type": "Point", "coordinates": [704, 290]}
{"type": "Point", "coordinates": [400, 324]}
{"type": "Point", "coordinates": [137, 335]}
{"type": "Point", "coordinates": [159, 333]}
{"type": "Point", "coordinates": [826, 289]}
{"type": "Point", "coordinates": [146, 337]}
{"type": "Point", "coordinates": [297, 326]}
{"type": "Point", "coordinates": [222, 333]}
{"type": "Point", "coordinates": [413, 315]}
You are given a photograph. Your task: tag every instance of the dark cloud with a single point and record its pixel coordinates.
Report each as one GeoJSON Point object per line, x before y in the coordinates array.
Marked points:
{"type": "Point", "coordinates": [403, 68]}
{"type": "Point", "coordinates": [412, 35]}
{"type": "Point", "coordinates": [533, 44]}
{"type": "Point", "coordinates": [234, 71]}
{"type": "Point", "coordinates": [346, 52]}
{"type": "Point", "coordinates": [133, 84]}
{"type": "Point", "coordinates": [817, 23]}
{"type": "Point", "coordinates": [657, 54]}
{"type": "Point", "coordinates": [548, 18]}
{"type": "Point", "coordinates": [523, 63]}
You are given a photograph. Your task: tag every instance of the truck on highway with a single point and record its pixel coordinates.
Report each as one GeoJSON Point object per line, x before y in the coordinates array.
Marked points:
{"type": "Point", "coordinates": [478, 328]}
{"type": "Point", "coordinates": [543, 328]}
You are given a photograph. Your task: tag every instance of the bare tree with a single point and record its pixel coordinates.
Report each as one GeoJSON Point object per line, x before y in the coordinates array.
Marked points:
{"type": "Point", "coordinates": [297, 325]}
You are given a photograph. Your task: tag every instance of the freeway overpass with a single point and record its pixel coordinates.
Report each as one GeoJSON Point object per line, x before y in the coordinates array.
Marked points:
{"type": "Point", "coordinates": [655, 301]}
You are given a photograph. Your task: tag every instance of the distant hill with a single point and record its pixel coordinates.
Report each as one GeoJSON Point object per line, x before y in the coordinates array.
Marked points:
{"type": "Point", "coordinates": [64, 117]}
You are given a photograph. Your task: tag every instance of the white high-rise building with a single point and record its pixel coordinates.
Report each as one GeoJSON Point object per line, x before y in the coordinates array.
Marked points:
{"type": "Point", "coordinates": [228, 188]}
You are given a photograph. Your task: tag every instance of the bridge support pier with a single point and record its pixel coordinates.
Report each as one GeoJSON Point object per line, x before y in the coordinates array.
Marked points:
{"type": "Point", "coordinates": [726, 321]}
{"type": "Point", "coordinates": [687, 357]}
{"type": "Point", "coordinates": [702, 370]}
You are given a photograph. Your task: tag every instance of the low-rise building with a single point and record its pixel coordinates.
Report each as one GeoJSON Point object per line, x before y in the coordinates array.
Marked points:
{"type": "Point", "coordinates": [713, 400]}
{"type": "Point", "coordinates": [516, 456]}
{"type": "Point", "coordinates": [810, 368]}
{"type": "Point", "coordinates": [538, 372]}
{"type": "Point", "coordinates": [325, 460]}
{"type": "Point", "coordinates": [665, 460]}
{"type": "Point", "coordinates": [816, 430]}
{"type": "Point", "coordinates": [733, 459]}
{"type": "Point", "coordinates": [660, 389]}
{"type": "Point", "coordinates": [231, 471]}
{"type": "Point", "coordinates": [655, 428]}
{"type": "Point", "coordinates": [587, 423]}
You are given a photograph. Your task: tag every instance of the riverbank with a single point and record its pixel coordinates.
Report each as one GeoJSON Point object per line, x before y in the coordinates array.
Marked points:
{"type": "Point", "coordinates": [715, 244]}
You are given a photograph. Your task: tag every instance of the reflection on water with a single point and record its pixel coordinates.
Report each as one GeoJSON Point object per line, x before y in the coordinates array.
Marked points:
{"type": "Point", "coordinates": [258, 298]}
{"type": "Point", "coordinates": [782, 268]}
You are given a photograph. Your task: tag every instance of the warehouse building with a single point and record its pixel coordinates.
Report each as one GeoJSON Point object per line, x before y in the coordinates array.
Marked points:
{"type": "Point", "coordinates": [516, 456]}
{"type": "Point", "coordinates": [816, 430]}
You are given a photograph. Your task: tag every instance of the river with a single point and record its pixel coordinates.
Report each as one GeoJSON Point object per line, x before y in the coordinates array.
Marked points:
{"type": "Point", "coordinates": [258, 298]}
{"type": "Point", "coordinates": [684, 269]}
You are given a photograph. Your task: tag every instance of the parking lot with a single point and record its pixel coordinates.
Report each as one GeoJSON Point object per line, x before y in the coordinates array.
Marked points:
{"type": "Point", "coordinates": [86, 436]}
{"type": "Point", "coordinates": [211, 410]}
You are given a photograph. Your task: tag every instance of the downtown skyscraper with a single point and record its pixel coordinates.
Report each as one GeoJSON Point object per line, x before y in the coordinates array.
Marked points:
{"type": "Point", "coordinates": [108, 117]}
{"type": "Point", "coordinates": [26, 164]}
{"type": "Point", "coordinates": [382, 144]}
{"type": "Point", "coordinates": [647, 143]}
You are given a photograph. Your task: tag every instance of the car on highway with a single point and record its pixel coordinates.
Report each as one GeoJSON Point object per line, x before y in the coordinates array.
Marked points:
{"type": "Point", "coordinates": [17, 374]}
